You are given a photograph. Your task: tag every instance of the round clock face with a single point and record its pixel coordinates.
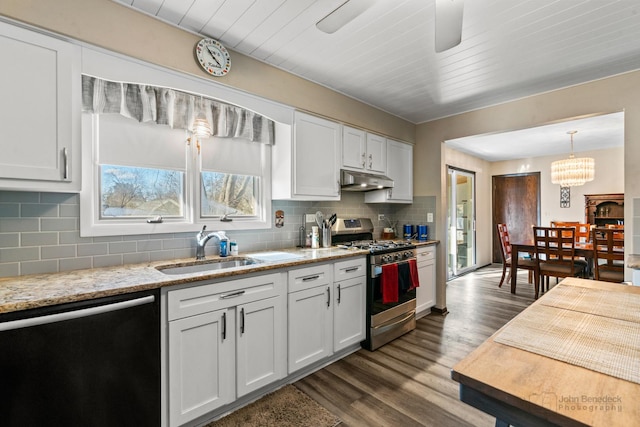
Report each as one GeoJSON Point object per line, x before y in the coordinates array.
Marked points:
{"type": "Point", "coordinates": [213, 57]}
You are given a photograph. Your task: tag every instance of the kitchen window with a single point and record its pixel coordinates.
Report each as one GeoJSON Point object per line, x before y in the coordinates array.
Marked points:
{"type": "Point", "coordinates": [148, 177]}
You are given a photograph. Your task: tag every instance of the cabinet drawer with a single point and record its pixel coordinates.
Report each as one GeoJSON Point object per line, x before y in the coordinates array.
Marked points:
{"type": "Point", "coordinates": [310, 277]}
{"type": "Point", "coordinates": [214, 296]}
{"type": "Point", "coordinates": [354, 267]}
{"type": "Point", "coordinates": [426, 253]}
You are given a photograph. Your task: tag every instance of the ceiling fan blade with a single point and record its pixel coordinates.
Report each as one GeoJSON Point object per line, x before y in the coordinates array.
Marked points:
{"type": "Point", "coordinates": [448, 24]}
{"type": "Point", "coordinates": [343, 15]}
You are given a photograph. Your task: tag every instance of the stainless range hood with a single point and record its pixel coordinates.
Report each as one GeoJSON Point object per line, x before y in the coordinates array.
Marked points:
{"type": "Point", "coordinates": [361, 181]}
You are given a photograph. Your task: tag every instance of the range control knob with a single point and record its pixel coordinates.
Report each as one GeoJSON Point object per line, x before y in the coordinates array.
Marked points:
{"type": "Point", "coordinates": [408, 254]}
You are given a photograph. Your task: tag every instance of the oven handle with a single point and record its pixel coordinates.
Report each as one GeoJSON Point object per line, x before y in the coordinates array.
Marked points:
{"type": "Point", "coordinates": [376, 269]}
{"type": "Point", "coordinates": [387, 326]}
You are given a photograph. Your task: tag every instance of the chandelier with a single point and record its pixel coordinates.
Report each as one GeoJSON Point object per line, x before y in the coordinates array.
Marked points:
{"type": "Point", "coordinates": [573, 171]}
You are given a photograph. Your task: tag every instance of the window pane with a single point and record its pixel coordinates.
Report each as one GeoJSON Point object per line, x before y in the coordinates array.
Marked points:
{"type": "Point", "coordinates": [223, 193]}
{"type": "Point", "coordinates": [140, 192]}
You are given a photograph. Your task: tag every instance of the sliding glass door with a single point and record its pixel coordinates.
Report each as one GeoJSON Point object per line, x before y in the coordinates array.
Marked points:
{"type": "Point", "coordinates": [461, 221]}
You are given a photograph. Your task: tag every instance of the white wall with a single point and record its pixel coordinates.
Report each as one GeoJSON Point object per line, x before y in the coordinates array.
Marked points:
{"type": "Point", "coordinates": [482, 170]}
{"type": "Point", "coordinates": [609, 179]}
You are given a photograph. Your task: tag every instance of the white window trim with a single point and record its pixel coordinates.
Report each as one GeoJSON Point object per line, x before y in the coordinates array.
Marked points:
{"type": "Point", "coordinates": [91, 225]}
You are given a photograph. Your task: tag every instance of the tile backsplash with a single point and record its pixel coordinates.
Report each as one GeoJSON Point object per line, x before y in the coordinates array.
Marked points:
{"type": "Point", "coordinates": [40, 232]}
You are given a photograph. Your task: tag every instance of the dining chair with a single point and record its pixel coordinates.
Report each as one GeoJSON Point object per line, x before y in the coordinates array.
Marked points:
{"type": "Point", "coordinates": [583, 232]}
{"type": "Point", "coordinates": [564, 223]}
{"type": "Point", "coordinates": [555, 253]}
{"type": "Point", "coordinates": [608, 254]}
{"type": "Point", "coordinates": [524, 263]}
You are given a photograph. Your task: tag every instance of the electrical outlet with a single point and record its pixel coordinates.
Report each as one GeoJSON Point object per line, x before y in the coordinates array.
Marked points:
{"type": "Point", "coordinates": [380, 217]}
{"type": "Point", "coordinates": [429, 217]}
{"type": "Point", "coordinates": [310, 218]}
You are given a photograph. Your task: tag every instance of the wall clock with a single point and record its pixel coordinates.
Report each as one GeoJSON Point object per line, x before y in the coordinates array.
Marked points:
{"type": "Point", "coordinates": [213, 57]}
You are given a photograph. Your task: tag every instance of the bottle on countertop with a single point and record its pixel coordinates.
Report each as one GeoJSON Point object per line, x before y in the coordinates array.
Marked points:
{"type": "Point", "coordinates": [234, 248]}
{"type": "Point", "coordinates": [224, 244]}
{"type": "Point", "coordinates": [315, 237]}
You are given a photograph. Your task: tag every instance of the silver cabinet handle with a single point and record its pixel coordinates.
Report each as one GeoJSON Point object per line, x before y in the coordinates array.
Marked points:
{"type": "Point", "coordinates": [75, 314]}
{"type": "Point", "coordinates": [370, 161]}
{"type": "Point", "coordinates": [364, 160]}
{"type": "Point", "coordinates": [232, 295]}
{"type": "Point", "coordinates": [65, 166]}
{"type": "Point", "coordinates": [310, 278]}
{"type": "Point", "coordinates": [224, 326]}
{"type": "Point", "coordinates": [328, 296]}
{"type": "Point", "coordinates": [242, 320]}
{"type": "Point", "coordinates": [351, 270]}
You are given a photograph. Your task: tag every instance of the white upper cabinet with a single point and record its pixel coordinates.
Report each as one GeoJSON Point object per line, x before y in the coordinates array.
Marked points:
{"type": "Point", "coordinates": [363, 151]}
{"type": "Point", "coordinates": [40, 109]}
{"type": "Point", "coordinates": [376, 153]}
{"type": "Point", "coordinates": [400, 170]}
{"type": "Point", "coordinates": [307, 167]}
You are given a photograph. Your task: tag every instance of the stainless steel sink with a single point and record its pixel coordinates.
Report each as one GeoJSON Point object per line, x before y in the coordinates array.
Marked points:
{"type": "Point", "coordinates": [207, 265]}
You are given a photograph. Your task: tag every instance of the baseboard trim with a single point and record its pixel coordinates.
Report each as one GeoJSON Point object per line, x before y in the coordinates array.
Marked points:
{"type": "Point", "coordinates": [440, 310]}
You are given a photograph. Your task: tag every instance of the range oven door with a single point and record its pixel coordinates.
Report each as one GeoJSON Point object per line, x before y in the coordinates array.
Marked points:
{"type": "Point", "coordinates": [376, 306]}
{"type": "Point", "coordinates": [387, 321]}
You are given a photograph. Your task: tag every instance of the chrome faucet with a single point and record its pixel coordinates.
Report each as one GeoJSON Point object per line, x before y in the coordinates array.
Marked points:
{"type": "Point", "coordinates": [201, 240]}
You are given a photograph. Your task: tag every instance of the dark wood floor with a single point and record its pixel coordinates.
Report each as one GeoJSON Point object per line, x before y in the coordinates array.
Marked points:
{"type": "Point", "coordinates": [408, 381]}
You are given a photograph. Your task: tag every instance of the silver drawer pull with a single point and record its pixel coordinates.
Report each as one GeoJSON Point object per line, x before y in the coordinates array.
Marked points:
{"type": "Point", "coordinates": [231, 295]}
{"type": "Point", "coordinates": [352, 269]}
{"type": "Point", "coordinates": [307, 279]}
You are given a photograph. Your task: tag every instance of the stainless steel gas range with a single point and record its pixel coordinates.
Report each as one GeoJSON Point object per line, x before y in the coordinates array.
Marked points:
{"type": "Point", "coordinates": [389, 314]}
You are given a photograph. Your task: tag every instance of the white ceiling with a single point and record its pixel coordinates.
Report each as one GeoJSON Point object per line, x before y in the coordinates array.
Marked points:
{"type": "Point", "coordinates": [593, 133]}
{"type": "Point", "coordinates": [385, 57]}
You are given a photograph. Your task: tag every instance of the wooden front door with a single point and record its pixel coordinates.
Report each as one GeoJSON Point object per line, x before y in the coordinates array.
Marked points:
{"type": "Point", "coordinates": [516, 202]}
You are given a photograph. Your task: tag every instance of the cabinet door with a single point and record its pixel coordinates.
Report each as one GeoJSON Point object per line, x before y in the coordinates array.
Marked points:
{"type": "Point", "coordinates": [353, 148]}
{"type": "Point", "coordinates": [426, 292]}
{"type": "Point", "coordinates": [310, 326]}
{"type": "Point", "coordinates": [316, 158]}
{"type": "Point", "coordinates": [376, 153]}
{"type": "Point", "coordinates": [261, 357]}
{"type": "Point", "coordinates": [349, 312]}
{"type": "Point", "coordinates": [400, 169]}
{"type": "Point", "coordinates": [201, 365]}
{"type": "Point", "coordinates": [40, 110]}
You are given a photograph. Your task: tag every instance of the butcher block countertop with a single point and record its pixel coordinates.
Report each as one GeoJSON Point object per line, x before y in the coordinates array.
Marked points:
{"type": "Point", "coordinates": [33, 291]}
{"type": "Point", "coordinates": [569, 359]}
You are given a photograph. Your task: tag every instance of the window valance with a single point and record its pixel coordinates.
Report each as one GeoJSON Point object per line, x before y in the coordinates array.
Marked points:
{"type": "Point", "coordinates": [174, 108]}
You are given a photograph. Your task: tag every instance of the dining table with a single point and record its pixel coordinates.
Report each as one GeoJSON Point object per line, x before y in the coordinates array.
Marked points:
{"type": "Point", "coordinates": [572, 358]}
{"type": "Point", "coordinates": [582, 249]}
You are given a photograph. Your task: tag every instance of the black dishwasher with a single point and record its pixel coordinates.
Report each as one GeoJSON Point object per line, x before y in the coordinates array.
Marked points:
{"type": "Point", "coordinates": [90, 363]}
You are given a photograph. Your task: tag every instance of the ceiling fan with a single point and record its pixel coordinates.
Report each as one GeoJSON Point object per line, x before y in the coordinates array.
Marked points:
{"type": "Point", "coordinates": [448, 19]}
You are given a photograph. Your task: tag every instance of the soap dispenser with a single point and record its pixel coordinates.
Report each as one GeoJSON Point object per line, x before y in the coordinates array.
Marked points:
{"type": "Point", "coordinates": [224, 244]}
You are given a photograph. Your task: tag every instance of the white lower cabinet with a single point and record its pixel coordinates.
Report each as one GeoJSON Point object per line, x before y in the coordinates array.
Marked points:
{"type": "Point", "coordinates": [348, 313]}
{"type": "Point", "coordinates": [325, 316]}
{"type": "Point", "coordinates": [225, 340]}
{"type": "Point", "coordinates": [310, 315]}
{"type": "Point", "coordinates": [200, 361]}
{"type": "Point", "coordinates": [426, 292]}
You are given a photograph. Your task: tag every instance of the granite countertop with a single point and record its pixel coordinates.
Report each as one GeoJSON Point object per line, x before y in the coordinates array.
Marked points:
{"type": "Point", "coordinates": [33, 291]}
